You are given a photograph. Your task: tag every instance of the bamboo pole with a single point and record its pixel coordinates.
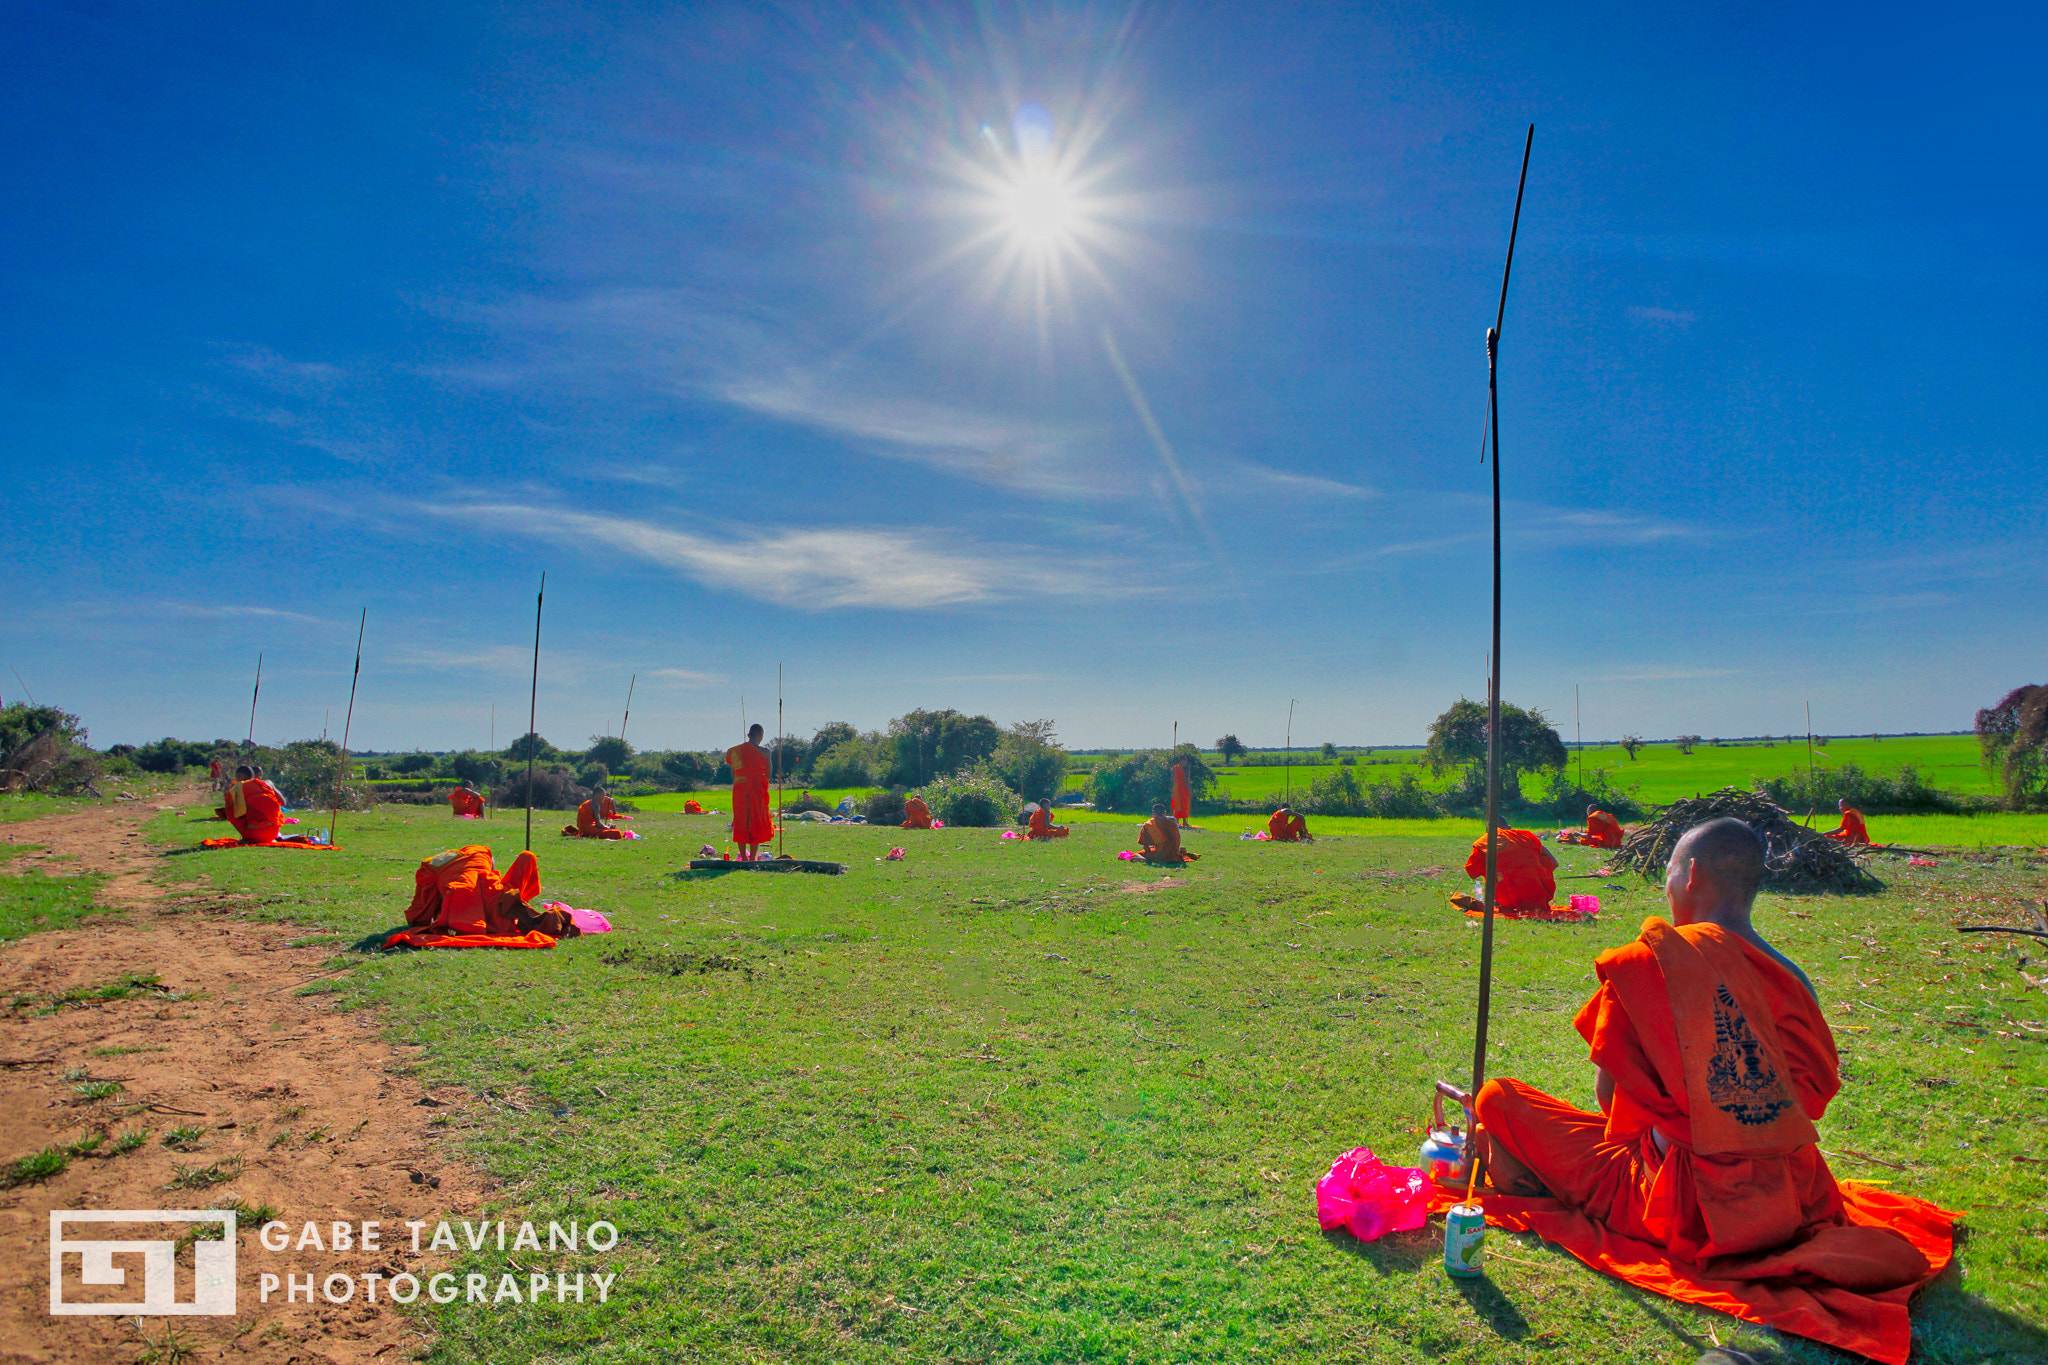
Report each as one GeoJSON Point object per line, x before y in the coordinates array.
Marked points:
{"type": "Point", "coordinates": [533, 707]}
{"type": "Point", "coordinates": [629, 707]}
{"type": "Point", "coordinates": [341, 774]}
{"type": "Point", "coordinates": [257, 691]}
{"type": "Point", "coordinates": [781, 816]}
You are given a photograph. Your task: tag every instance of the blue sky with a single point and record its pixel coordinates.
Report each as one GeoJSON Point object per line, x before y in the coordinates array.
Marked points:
{"type": "Point", "coordinates": [1121, 365]}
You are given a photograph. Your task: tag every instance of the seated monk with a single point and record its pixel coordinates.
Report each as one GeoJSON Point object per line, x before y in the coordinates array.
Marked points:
{"type": "Point", "coordinates": [466, 800]}
{"type": "Point", "coordinates": [607, 809]}
{"type": "Point", "coordinates": [1283, 826]}
{"type": "Point", "coordinates": [589, 824]}
{"type": "Point", "coordinates": [752, 823]}
{"type": "Point", "coordinates": [1700, 1177]}
{"type": "Point", "coordinates": [253, 807]}
{"type": "Point", "coordinates": [1527, 873]}
{"type": "Point", "coordinates": [1041, 825]}
{"type": "Point", "coordinates": [1852, 829]}
{"type": "Point", "coordinates": [693, 807]}
{"type": "Point", "coordinates": [916, 814]}
{"type": "Point", "coordinates": [460, 893]}
{"type": "Point", "coordinates": [1183, 798]}
{"type": "Point", "coordinates": [1602, 831]}
{"type": "Point", "coordinates": [1159, 839]}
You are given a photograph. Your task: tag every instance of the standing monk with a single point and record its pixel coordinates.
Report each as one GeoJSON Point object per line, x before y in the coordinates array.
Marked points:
{"type": "Point", "coordinates": [752, 824]}
{"type": "Point", "coordinates": [1183, 798]}
{"type": "Point", "coordinates": [916, 814]}
{"type": "Point", "coordinates": [1528, 873]}
{"type": "Point", "coordinates": [1852, 829]}
{"type": "Point", "coordinates": [1159, 839]}
{"type": "Point", "coordinates": [1700, 1177]}
{"type": "Point", "coordinates": [466, 800]}
{"type": "Point", "coordinates": [1285, 827]}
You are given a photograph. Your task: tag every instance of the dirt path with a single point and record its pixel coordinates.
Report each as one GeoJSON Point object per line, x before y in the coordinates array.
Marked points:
{"type": "Point", "coordinates": [284, 1102]}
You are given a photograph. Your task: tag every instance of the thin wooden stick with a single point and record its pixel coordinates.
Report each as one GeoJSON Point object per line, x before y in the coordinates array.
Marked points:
{"type": "Point", "coordinates": [341, 775]}
{"type": "Point", "coordinates": [629, 706]}
{"type": "Point", "coordinates": [250, 743]}
{"type": "Point", "coordinates": [781, 816]}
{"type": "Point", "coordinates": [533, 707]}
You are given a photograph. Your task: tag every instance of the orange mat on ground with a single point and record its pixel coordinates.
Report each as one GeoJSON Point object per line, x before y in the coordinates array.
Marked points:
{"type": "Point", "coordinates": [281, 843]}
{"type": "Point", "coordinates": [421, 938]}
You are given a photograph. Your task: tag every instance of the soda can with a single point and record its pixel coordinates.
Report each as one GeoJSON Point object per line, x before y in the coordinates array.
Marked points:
{"type": "Point", "coordinates": [1464, 1241]}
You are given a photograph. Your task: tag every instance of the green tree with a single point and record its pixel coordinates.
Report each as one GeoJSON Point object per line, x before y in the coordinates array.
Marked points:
{"type": "Point", "coordinates": [689, 770]}
{"type": "Point", "coordinates": [828, 737]}
{"type": "Point", "coordinates": [610, 750]}
{"type": "Point", "coordinates": [531, 743]}
{"type": "Point", "coordinates": [2013, 738]}
{"type": "Point", "coordinates": [1230, 748]}
{"type": "Point", "coordinates": [1029, 761]}
{"type": "Point", "coordinates": [1631, 745]}
{"type": "Point", "coordinates": [482, 769]}
{"type": "Point", "coordinates": [1329, 753]}
{"type": "Point", "coordinates": [410, 764]}
{"type": "Point", "coordinates": [1136, 781]}
{"type": "Point", "coordinates": [930, 744]}
{"type": "Point", "coordinates": [1457, 738]}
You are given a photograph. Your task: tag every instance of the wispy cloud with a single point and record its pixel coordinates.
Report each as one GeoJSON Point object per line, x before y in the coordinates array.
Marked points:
{"type": "Point", "coordinates": [683, 677]}
{"type": "Point", "coordinates": [1670, 674]}
{"type": "Point", "coordinates": [231, 612]}
{"type": "Point", "coordinates": [1305, 485]}
{"type": "Point", "coordinates": [1000, 677]}
{"type": "Point", "coordinates": [812, 570]}
{"type": "Point", "coordinates": [1662, 317]}
{"type": "Point", "coordinates": [499, 661]}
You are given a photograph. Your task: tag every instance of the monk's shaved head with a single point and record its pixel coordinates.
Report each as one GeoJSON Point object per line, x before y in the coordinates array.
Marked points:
{"type": "Point", "coordinates": [754, 732]}
{"type": "Point", "coordinates": [1728, 851]}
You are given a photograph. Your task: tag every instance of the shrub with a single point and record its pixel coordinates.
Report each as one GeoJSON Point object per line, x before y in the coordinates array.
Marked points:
{"type": "Point", "coordinates": [1136, 782]}
{"type": "Point", "coordinates": [308, 772]}
{"type": "Point", "coordinates": [1904, 792]}
{"type": "Point", "coordinates": [796, 805]}
{"type": "Point", "coordinates": [884, 808]}
{"type": "Point", "coordinates": [553, 789]}
{"type": "Point", "coordinates": [1567, 800]}
{"type": "Point", "coordinates": [471, 766]}
{"type": "Point", "coordinates": [411, 764]}
{"type": "Point", "coordinates": [1029, 761]}
{"type": "Point", "coordinates": [43, 749]}
{"type": "Point", "coordinates": [689, 771]}
{"type": "Point", "coordinates": [974, 800]}
{"type": "Point", "coordinates": [849, 763]}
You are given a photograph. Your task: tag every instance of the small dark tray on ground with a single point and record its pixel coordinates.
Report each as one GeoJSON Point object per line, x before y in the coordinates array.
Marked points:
{"type": "Point", "coordinates": [766, 865]}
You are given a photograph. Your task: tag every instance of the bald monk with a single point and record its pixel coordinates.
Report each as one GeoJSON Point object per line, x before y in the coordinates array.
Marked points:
{"type": "Point", "coordinates": [1159, 839]}
{"type": "Point", "coordinates": [253, 807]}
{"type": "Point", "coordinates": [1852, 829]}
{"type": "Point", "coordinates": [1041, 825]}
{"type": "Point", "coordinates": [466, 800]}
{"type": "Point", "coordinates": [693, 807]}
{"type": "Point", "coordinates": [460, 893]}
{"type": "Point", "coordinates": [1183, 798]}
{"type": "Point", "coordinates": [916, 814]}
{"type": "Point", "coordinates": [752, 824]}
{"type": "Point", "coordinates": [1528, 872]}
{"type": "Point", "coordinates": [1602, 831]}
{"type": "Point", "coordinates": [1283, 826]}
{"type": "Point", "coordinates": [590, 824]}
{"type": "Point", "coordinates": [1700, 1177]}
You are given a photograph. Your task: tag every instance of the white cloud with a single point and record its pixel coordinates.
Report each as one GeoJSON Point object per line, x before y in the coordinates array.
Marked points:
{"type": "Point", "coordinates": [1304, 485]}
{"type": "Point", "coordinates": [218, 612]}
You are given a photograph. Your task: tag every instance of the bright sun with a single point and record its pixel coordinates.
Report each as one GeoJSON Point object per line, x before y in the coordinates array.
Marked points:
{"type": "Point", "coordinates": [1039, 210]}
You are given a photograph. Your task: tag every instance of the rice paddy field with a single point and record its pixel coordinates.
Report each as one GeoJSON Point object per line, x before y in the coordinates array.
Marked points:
{"type": "Point", "coordinates": [1026, 1103]}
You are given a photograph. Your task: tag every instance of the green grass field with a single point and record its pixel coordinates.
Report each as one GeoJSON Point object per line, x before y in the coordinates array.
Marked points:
{"type": "Point", "coordinates": [1014, 1103]}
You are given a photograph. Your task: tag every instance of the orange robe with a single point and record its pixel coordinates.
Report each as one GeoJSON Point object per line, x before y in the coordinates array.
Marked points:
{"type": "Point", "coordinates": [1525, 883]}
{"type": "Point", "coordinates": [1724, 1050]}
{"type": "Point", "coordinates": [1602, 830]}
{"type": "Point", "coordinates": [588, 825]}
{"type": "Point", "coordinates": [465, 802]}
{"type": "Point", "coordinates": [1159, 842]}
{"type": "Point", "coordinates": [461, 900]}
{"type": "Point", "coordinates": [752, 823]}
{"type": "Point", "coordinates": [255, 810]}
{"type": "Point", "coordinates": [1042, 827]}
{"type": "Point", "coordinates": [916, 814]}
{"type": "Point", "coordinates": [1183, 799]}
{"type": "Point", "coordinates": [1286, 827]}
{"type": "Point", "coordinates": [1853, 830]}
{"type": "Point", "coordinates": [608, 809]}
{"type": "Point", "coordinates": [692, 808]}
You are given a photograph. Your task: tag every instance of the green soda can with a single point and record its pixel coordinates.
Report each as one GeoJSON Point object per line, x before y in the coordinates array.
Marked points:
{"type": "Point", "coordinates": [1464, 1241]}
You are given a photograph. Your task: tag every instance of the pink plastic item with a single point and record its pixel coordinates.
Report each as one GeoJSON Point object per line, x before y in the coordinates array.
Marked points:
{"type": "Point", "coordinates": [629, 833]}
{"type": "Point", "coordinates": [1917, 861]}
{"type": "Point", "coordinates": [1127, 857]}
{"type": "Point", "coordinates": [1371, 1198]}
{"type": "Point", "coordinates": [1586, 905]}
{"type": "Point", "coordinates": [289, 820]}
{"type": "Point", "coordinates": [894, 855]}
{"type": "Point", "coordinates": [1011, 834]}
{"type": "Point", "coordinates": [938, 824]}
{"type": "Point", "coordinates": [588, 921]}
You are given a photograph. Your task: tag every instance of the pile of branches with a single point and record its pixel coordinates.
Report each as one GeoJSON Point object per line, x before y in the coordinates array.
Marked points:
{"type": "Point", "coordinates": [1795, 858]}
{"type": "Point", "coordinates": [52, 764]}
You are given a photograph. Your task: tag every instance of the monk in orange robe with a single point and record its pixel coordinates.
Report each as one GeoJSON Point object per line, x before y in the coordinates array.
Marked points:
{"type": "Point", "coordinates": [466, 800]}
{"type": "Point", "coordinates": [1159, 839]}
{"type": "Point", "coordinates": [1283, 826]}
{"type": "Point", "coordinates": [607, 809]}
{"type": "Point", "coordinates": [1183, 797]}
{"type": "Point", "coordinates": [1602, 831]}
{"type": "Point", "coordinates": [590, 824]}
{"type": "Point", "coordinates": [1852, 829]}
{"type": "Point", "coordinates": [752, 823]}
{"type": "Point", "coordinates": [1528, 873]}
{"type": "Point", "coordinates": [253, 807]}
{"type": "Point", "coordinates": [1041, 825]}
{"type": "Point", "coordinates": [916, 814]}
{"type": "Point", "coordinates": [1700, 1178]}
{"type": "Point", "coordinates": [693, 807]}
{"type": "Point", "coordinates": [461, 900]}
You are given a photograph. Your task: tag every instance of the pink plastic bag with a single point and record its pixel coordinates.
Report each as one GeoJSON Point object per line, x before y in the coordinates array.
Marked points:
{"type": "Point", "coordinates": [1586, 905]}
{"type": "Point", "coordinates": [938, 824]}
{"type": "Point", "coordinates": [289, 820]}
{"type": "Point", "coordinates": [1127, 857]}
{"type": "Point", "coordinates": [588, 921]}
{"type": "Point", "coordinates": [1371, 1198]}
{"type": "Point", "coordinates": [1011, 834]}
{"type": "Point", "coordinates": [894, 855]}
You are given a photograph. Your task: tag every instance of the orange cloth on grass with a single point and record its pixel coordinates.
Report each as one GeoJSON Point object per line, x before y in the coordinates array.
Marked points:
{"type": "Point", "coordinates": [460, 892]}
{"type": "Point", "coordinates": [255, 809]}
{"type": "Point", "coordinates": [1853, 830]}
{"type": "Point", "coordinates": [1159, 842]}
{"type": "Point", "coordinates": [1286, 827]}
{"type": "Point", "coordinates": [1042, 827]}
{"type": "Point", "coordinates": [1525, 882]}
{"type": "Point", "coordinates": [462, 801]}
{"type": "Point", "coordinates": [1724, 1049]}
{"type": "Point", "coordinates": [588, 826]}
{"type": "Point", "coordinates": [1183, 798]}
{"type": "Point", "coordinates": [1602, 830]}
{"type": "Point", "coordinates": [752, 823]}
{"type": "Point", "coordinates": [693, 808]}
{"type": "Point", "coordinates": [916, 814]}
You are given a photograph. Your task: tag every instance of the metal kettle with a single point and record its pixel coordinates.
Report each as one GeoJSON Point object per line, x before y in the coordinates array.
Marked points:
{"type": "Point", "coordinates": [1446, 1153]}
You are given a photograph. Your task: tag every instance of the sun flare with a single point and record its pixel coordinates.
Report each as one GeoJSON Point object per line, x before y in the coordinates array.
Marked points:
{"type": "Point", "coordinates": [1040, 210]}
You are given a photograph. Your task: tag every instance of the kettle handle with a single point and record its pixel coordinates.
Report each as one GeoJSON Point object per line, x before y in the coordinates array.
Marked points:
{"type": "Point", "coordinates": [1445, 1090]}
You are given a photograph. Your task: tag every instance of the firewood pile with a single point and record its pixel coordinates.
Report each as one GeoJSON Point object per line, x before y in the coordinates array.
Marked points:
{"type": "Point", "coordinates": [1795, 858]}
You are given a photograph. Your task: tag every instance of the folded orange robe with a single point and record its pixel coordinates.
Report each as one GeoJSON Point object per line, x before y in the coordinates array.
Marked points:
{"type": "Point", "coordinates": [692, 808]}
{"type": "Point", "coordinates": [1183, 799]}
{"type": "Point", "coordinates": [1159, 842]}
{"type": "Point", "coordinates": [464, 802]}
{"type": "Point", "coordinates": [752, 822]}
{"type": "Point", "coordinates": [916, 814]}
{"type": "Point", "coordinates": [1525, 883]}
{"type": "Point", "coordinates": [1724, 1050]}
{"type": "Point", "coordinates": [461, 900]}
{"type": "Point", "coordinates": [1853, 830]}
{"type": "Point", "coordinates": [1602, 830]}
{"type": "Point", "coordinates": [587, 825]}
{"type": "Point", "coordinates": [1286, 828]}
{"type": "Point", "coordinates": [1042, 827]}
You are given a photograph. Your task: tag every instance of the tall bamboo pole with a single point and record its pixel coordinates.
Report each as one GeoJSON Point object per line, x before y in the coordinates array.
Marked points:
{"type": "Point", "coordinates": [533, 707]}
{"type": "Point", "coordinates": [629, 706]}
{"type": "Point", "coordinates": [781, 816]}
{"type": "Point", "coordinates": [341, 774]}
{"type": "Point", "coordinates": [257, 691]}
